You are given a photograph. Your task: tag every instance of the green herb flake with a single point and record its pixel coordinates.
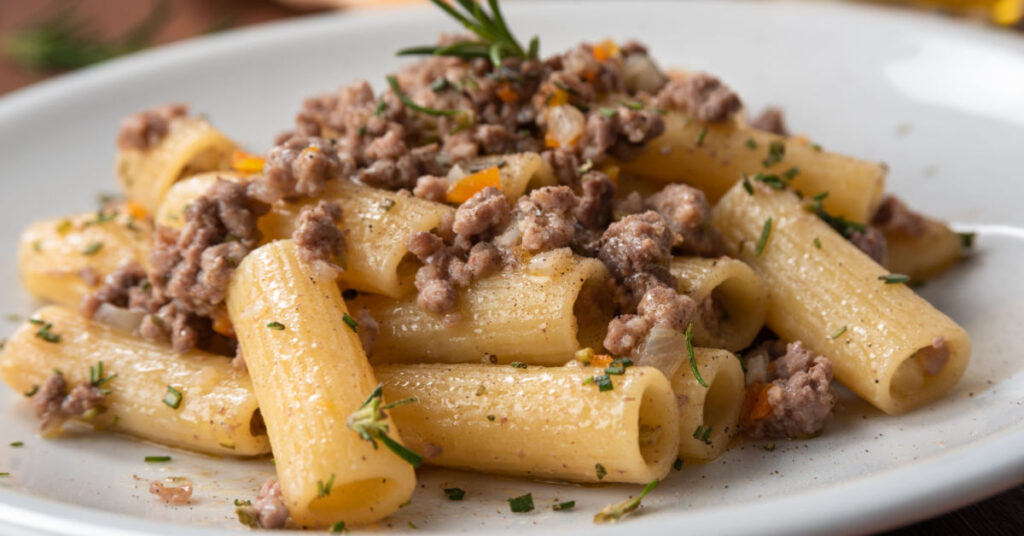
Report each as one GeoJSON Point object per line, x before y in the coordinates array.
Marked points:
{"type": "Point", "coordinates": [608, 112]}
{"type": "Point", "coordinates": [412, 525]}
{"type": "Point", "coordinates": [381, 106]}
{"type": "Point", "coordinates": [31, 392]}
{"type": "Point", "coordinates": [5, 474]}
{"type": "Point", "coordinates": [838, 333]}
{"type": "Point", "coordinates": [701, 136]}
{"type": "Point", "coordinates": [693, 358]}
{"type": "Point", "coordinates": [455, 494]}
{"type": "Point", "coordinates": [566, 505]}
{"type": "Point", "coordinates": [633, 105]}
{"type": "Point", "coordinates": [747, 186]}
{"type": "Point", "coordinates": [743, 362]}
{"type": "Point", "coordinates": [894, 279]}
{"type": "Point", "coordinates": [763, 239]}
{"type": "Point", "coordinates": [370, 422]}
{"type": "Point", "coordinates": [678, 464]}
{"type": "Point", "coordinates": [600, 471]}
{"type": "Point", "coordinates": [157, 459]}
{"type": "Point", "coordinates": [703, 434]}
{"type": "Point", "coordinates": [587, 166]}
{"type": "Point", "coordinates": [97, 376]}
{"type": "Point", "coordinates": [64, 227]}
{"type": "Point", "coordinates": [521, 504]}
{"type": "Point", "coordinates": [776, 150]}
{"type": "Point", "coordinates": [92, 249]}
{"type": "Point", "coordinates": [966, 240]}
{"type": "Point", "coordinates": [751, 144]}
{"type": "Point", "coordinates": [619, 366]}
{"type": "Point", "coordinates": [276, 326]}
{"type": "Point", "coordinates": [350, 322]}
{"type": "Point", "coordinates": [517, 364]}
{"type": "Point", "coordinates": [817, 243]}
{"type": "Point", "coordinates": [242, 502]}
{"type": "Point", "coordinates": [393, 82]}
{"type": "Point", "coordinates": [790, 173]}
{"type": "Point", "coordinates": [17, 444]}
{"type": "Point", "coordinates": [173, 398]}
{"type": "Point", "coordinates": [604, 382]}
{"type": "Point", "coordinates": [613, 512]}
{"type": "Point", "coordinates": [47, 335]}
{"type": "Point", "coordinates": [323, 489]}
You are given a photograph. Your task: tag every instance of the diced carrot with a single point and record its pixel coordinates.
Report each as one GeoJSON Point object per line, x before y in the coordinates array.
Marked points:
{"type": "Point", "coordinates": [558, 97]}
{"type": "Point", "coordinates": [247, 162]}
{"type": "Point", "coordinates": [601, 360]}
{"type": "Point", "coordinates": [762, 407]}
{"type": "Point", "coordinates": [222, 323]}
{"type": "Point", "coordinates": [507, 94]}
{"type": "Point", "coordinates": [605, 49]}
{"type": "Point", "coordinates": [136, 210]}
{"type": "Point", "coordinates": [469, 185]}
{"type": "Point", "coordinates": [550, 141]}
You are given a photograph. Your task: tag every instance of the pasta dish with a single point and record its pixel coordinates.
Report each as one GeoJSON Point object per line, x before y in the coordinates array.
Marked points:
{"type": "Point", "coordinates": [580, 268]}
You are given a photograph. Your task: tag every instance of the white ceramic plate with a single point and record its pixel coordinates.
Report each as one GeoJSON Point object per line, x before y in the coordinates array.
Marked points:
{"type": "Point", "coordinates": [941, 102]}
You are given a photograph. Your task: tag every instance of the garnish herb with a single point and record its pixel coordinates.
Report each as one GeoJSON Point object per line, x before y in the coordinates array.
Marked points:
{"type": "Point", "coordinates": [480, 390]}
{"type": "Point", "coordinates": [5, 474]}
{"type": "Point", "coordinates": [350, 322]}
{"type": "Point", "coordinates": [619, 366]}
{"type": "Point", "coordinates": [172, 398]}
{"type": "Point", "coordinates": [751, 144]}
{"type": "Point", "coordinates": [517, 364]}
{"type": "Point", "coordinates": [369, 422]}
{"type": "Point", "coordinates": [790, 173]}
{"type": "Point", "coordinates": [276, 326]}
{"type": "Point", "coordinates": [36, 321]}
{"type": "Point", "coordinates": [496, 40]}
{"type": "Point", "coordinates": [693, 359]}
{"type": "Point", "coordinates": [776, 150]}
{"type": "Point", "coordinates": [102, 216]}
{"type": "Point", "coordinates": [771, 180]}
{"type": "Point", "coordinates": [381, 106]}
{"type": "Point", "coordinates": [816, 147]}
{"type": "Point", "coordinates": [678, 464]}
{"type": "Point", "coordinates": [247, 516]}
{"type": "Point", "coordinates": [587, 166]}
{"type": "Point", "coordinates": [242, 502]}
{"type": "Point", "coordinates": [893, 279]}
{"type": "Point", "coordinates": [604, 383]}
{"type": "Point", "coordinates": [393, 82]}
{"type": "Point", "coordinates": [157, 459]}
{"type": "Point", "coordinates": [763, 239]}
{"type": "Point", "coordinates": [608, 112]}
{"type": "Point", "coordinates": [817, 243]}
{"type": "Point", "coordinates": [521, 504]}
{"type": "Point", "coordinates": [361, 131]}
{"type": "Point", "coordinates": [567, 505]}
{"type": "Point", "coordinates": [612, 512]}
{"type": "Point", "coordinates": [633, 105]}
{"type": "Point", "coordinates": [338, 527]}
{"type": "Point", "coordinates": [18, 444]}
{"type": "Point", "coordinates": [323, 489]}
{"type": "Point", "coordinates": [838, 333]}
{"type": "Point", "coordinates": [47, 335]}
{"type": "Point", "coordinates": [455, 494]}
{"type": "Point", "coordinates": [703, 434]}
{"type": "Point", "coordinates": [747, 186]}
{"type": "Point", "coordinates": [743, 362]}
{"type": "Point", "coordinates": [600, 471]}
{"type": "Point", "coordinates": [31, 392]}
{"type": "Point", "coordinates": [966, 239]}
{"type": "Point", "coordinates": [700, 137]}
{"type": "Point", "coordinates": [96, 376]}
{"type": "Point", "coordinates": [92, 249]}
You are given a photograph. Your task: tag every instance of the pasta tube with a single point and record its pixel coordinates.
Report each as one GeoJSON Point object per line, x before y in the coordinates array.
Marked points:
{"type": "Point", "coordinates": [538, 422]}
{"type": "Point", "coordinates": [886, 343]}
{"type": "Point", "coordinates": [925, 256]}
{"type": "Point", "coordinates": [708, 416]}
{"type": "Point", "coordinates": [378, 224]}
{"type": "Point", "coordinates": [63, 260]}
{"type": "Point", "coordinates": [713, 156]}
{"type": "Point", "coordinates": [540, 313]}
{"type": "Point", "coordinates": [517, 172]}
{"type": "Point", "coordinates": [191, 146]}
{"type": "Point", "coordinates": [732, 298]}
{"type": "Point", "coordinates": [310, 375]}
{"type": "Point", "coordinates": [217, 411]}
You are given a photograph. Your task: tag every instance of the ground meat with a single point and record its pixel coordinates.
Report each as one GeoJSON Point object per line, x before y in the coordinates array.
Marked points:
{"type": "Point", "coordinates": [700, 95]}
{"type": "Point", "coordinates": [771, 120]}
{"type": "Point", "coordinates": [270, 508]}
{"type": "Point", "coordinates": [300, 167]}
{"type": "Point", "coordinates": [317, 234]}
{"type": "Point", "coordinates": [800, 396]}
{"type": "Point", "coordinates": [484, 259]}
{"type": "Point", "coordinates": [688, 214]}
{"type": "Point", "coordinates": [637, 243]}
{"type": "Point", "coordinates": [872, 242]}
{"type": "Point", "coordinates": [116, 290]}
{"type": "Point", "coordinates": [934, 357]}
{"type": "Point", "coordinates": [54, 404]}
{"type": "Point", "coordinates": [596, 203]}
{"type": "Point", "coordinates": [545, 218]}
{"type": "Point", "coordinates": [626, 333]}
{"type": "Point", "coordinates": [148, 128]}
{"type": "Point", "coordinates": [368, 330]}
{"type": "Point", "coordinates": [893, 215]}
{"type": "Point", "coordinates": [487, 211]}
{"type": "Point", "coordinates": [431, 188]}
{"type": "Point", "coordinates": [436, 292]}
{"type": "Point", "coordinates": [659, 306]}
{"type": "Point", "coordinates": [621, 133]}
{"type": "Point", "coordinates": [178, 490]}
{"type": "Point", "coordinates": [565, 164]}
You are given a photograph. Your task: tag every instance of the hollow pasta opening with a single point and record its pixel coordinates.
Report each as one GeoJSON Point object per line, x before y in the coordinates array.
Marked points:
{"type": "Point", "coordinates": [722, 406]}
{"type": "Point", "coordinates": [733, 320]}
{"type": "Point", "coordinates": [656, 443]}
{"type": "Point", "coordinates": [917, 372]}
{"type": "Point", "coordinates": [593, 310]}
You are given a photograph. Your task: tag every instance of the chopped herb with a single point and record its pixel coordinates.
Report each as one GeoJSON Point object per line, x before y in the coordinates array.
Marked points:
{"type": "Point", "coordinates": [490, 418]}
{"type": "Point", "coordinates": [157, 459]}
{"type": "Point", "coordinates": [703, 434]}
{"type": "Point", "coordinates": [776, 150]}
{"type": "Point", "coordinates": [600, 471]}
{"type": "Point", "coordinates": [496, 40]}
{"type": "Point", "coordinates": [5, 474]}
{"type": "Point", "coordinates": [339, 527]}
{"type": "Point", "coordinates": [763, 240]}
{"type": "Point", "coordinates": [96, 376]}
{"type": "Point", "coordinates": [18, 444]}
{"type": "Point", "coordinates": [604, 383]}
{"type": "Point", "coordinates": [324, 489]}
{"type": "Point", "coordinates": [393, 82]}
{"type": "Point", "coordinates": [92, 249]}
{"type": "Point", "coordinates": [102, 217]}
{"type": "Point", "coordinates": [31, 392]}
{"type": "Point", "coordinates": [678, 464]}
{"type": "Point", "coordinates": [619, 366]}
{"type": "Point", "coordinates": [242, 502]}
{"type": "Point", "coordinates": [966, 239]}
{"type": "Point", "coordinates": [480, 390]}
{"type": "Point", "coordinates": [3, 342]}
{"type": "Point", "coordinates": [771, 180]}
{"type": "Point", "coordinates": [521, 504]}
{"type": "Point", "coordinates": [790, 173]}
{"type": "Point", "coordinates": [693, 359]}
{"type": "Point", "coordinates": [567, 505]}
{"type": "Point", "coordinates": [36, 321]}
{"type": "Point", "coordinates": [172, 398]}
{"type": "Point", "coordinates": [455, 494]}
{"type": "Point", "coordinates": [584, 355]}
{"type": "Point", "coordinates": [816, 147]}
{"type": "Point", "coordinates": [248, 516]}
{"type": "Point", "coordinates": [381, 106]}
{"type": "Point", "coordinates": [276, 326]}
{"type": "Point", "coordinates": [751, 144]}
{"type": "Point", "coordinates": [747, 186]}
{"type": "Point", "coordinates": [817, 243]}
{"type": "Point", "coordinates": [839, 332]}
{"type": "Point", "coordinates": [612, 512]}
{"type": "Point", "coordinates": [608, 112]}
{"type": "Point", "coordinates": [406, 503]}
{"type": "Point", "coordinates": [743, 362]}
{"type": "Point", "coordinates": [700, 137]}
{"type": "Point", "coordinates": [47, 335]}
{"type": "Point", "coordinates": [361, 131]}
{"type": "Point", "coordinates": [369, 421]}
{"type": "Point", "coordinates": [412, 525]}
{"type": "Point", "coordinates": [633, 105]}
{"type": "Point", "coordinates": [350, 322]}
{"type": "Point", "coordinates": [387, 204]}
{"type": "Point", "coordinates": [587, 166]}
{"type": "Point", "coordinates": [517, 364]}
{"type": "Point", "coordinates": [893, 279]}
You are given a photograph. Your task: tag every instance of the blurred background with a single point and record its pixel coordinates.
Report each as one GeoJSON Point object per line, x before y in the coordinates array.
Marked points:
{"type": "Point", "coordinates": [43, 38]}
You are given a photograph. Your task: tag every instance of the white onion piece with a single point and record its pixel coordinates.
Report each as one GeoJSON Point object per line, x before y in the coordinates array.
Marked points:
{"type": "Point", "coordinates": [119, 318]}
{"type": "Point", "coordinates": [664, 349]}
{"type": "Point", "coordinates": [640, 73]}
{"type": "Point", "coordinates": [565, 125]}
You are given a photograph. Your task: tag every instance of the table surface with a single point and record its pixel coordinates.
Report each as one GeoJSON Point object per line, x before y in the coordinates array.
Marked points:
{"type": "Point", "coordinates": [999, 515]}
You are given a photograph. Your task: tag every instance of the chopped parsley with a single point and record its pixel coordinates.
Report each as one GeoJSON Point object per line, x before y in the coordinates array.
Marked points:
{"type": "Point", "coordinates": [701, 136]}
{"type": "Point", "coordinates": [172, 398]}
{"type": "Point", "coordinates": [743, 362]}
{"type": "Point", "coordinates": [608, 112]}
{"type": "Point", "coordinates": [102, 217]}
{"type": "Point", "coordinates": [817, 243]}
{"type": "Point", "coordinates": [678, 464]}
{"type": "Point", "coordinates": [771, 180]}
{"type": "Point", "coordinates": [47, 335]}
{"type": "Point", "coordinates": [17, 444]}
{"type": "Point", "coordinates": [603, 382]}
{"type": "Point", "coordinates": [966, 239]}
{"type": "Point", "coordinates": [612, 512]}
{"type": "Point", "coordinates": [276, 326]}
{"type": "Point", "coordinates": [633, 105]}
{"type": "Point", "coordinates": [747, 186]}
{"type": "Point", "coordinates": [790, 173]}
{"type": "Point", "coordinates": [894, 279]}
{"type": "Point", "coordinates": [323, 489]}
{"type": "Point", "coordinates": [619, 366]}
{"type": "Point", "coordinates": [381, 106]}
{"type": "Point", "coordinates": [703, 434]}
{"type": "Point", "coordinates": [521, 504]}
{"type": "Point", "coordinates": [763, 239]}
{"type": "Point", "coordinates": [693, 359]}
{"type": "Point", "coordinates": [600, 471]}
{"type": "Point", "coordinates": [838, 333]}
{"type": "Point", "coordinates": [567, 505]}
{"type": "Point", "coordinates": [350, 322]}
{"type": "Point", "coordinates": [31, 392]}
{"type": "Point", "coordinates": [92, 249]}
{"type": "Point", "coordinates": [490, 418]}
{"type": "Point", "coordinates": [338, 527]}
{"type": "Point", "coordinates": [776, 150]}
{"type": "Point", "coordinates": [751, 144]}
{"type": "Point", "coordinates": [455, 494]}
{"type": "Point", "coordinates": [517, 364]}
{"type": "Point", "coordinates": [369, 421]}
{"type": "Point", "coordinates": [157, 459]}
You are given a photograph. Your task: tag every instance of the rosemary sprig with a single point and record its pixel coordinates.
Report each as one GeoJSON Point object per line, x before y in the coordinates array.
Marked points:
{"type": "Point", "coordinates": [369, 422]}
{"type": "Point", "coordinates": [496, 40]}
{"type": "Point", "coordinates": [393, 82]}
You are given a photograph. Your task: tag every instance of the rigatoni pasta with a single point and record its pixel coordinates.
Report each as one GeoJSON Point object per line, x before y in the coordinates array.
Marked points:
{"type": "Point", "coordinates": [731, 298]}
{"type": "Point", "coordinates": [710, 402]}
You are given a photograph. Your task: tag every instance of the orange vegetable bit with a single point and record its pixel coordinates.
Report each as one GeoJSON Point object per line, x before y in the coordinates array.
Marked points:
{"type": "Point", "coordinates": [558, 97]}
{"type": "Point", "coordinates": [222, 323]}
{"type": "Point", "coordinates": [605, 49]}
{"type": "Point", "coordinates": [755, 403]}
{"type": "Point", "coordinates": [247, 162]}
{"type": "Point", "coordinates": [601, 361]}
{"type": "Point", "coordinates": [469, 185]}
{"type": "Point", "coordinates": [507, 94]}
{"type": "Point", "coordinates": [136, 210]}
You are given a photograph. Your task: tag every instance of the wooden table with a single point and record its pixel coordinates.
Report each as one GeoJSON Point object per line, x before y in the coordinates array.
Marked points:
{"type": "Point", "coordinates": [1003, 514]}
